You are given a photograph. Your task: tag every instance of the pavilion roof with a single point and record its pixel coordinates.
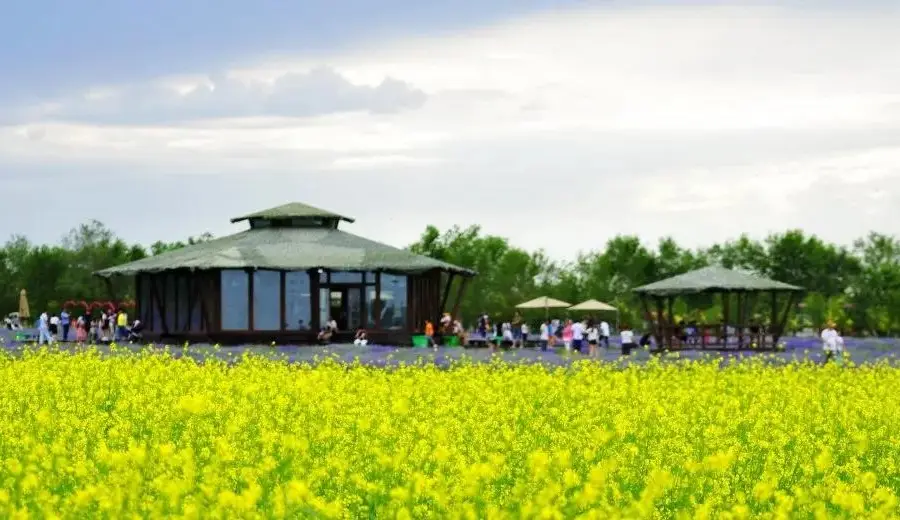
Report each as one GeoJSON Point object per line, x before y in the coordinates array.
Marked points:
{"type": "Point", "coordinates": [289, 248]}
{"type": "Point", "coordinates": [713, 279]}
{"type": "Point", "coordinates": [292, 210]}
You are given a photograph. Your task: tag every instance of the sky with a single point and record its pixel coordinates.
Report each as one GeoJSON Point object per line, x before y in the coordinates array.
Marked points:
{"type": "Point", "coordinates": [558, 125]}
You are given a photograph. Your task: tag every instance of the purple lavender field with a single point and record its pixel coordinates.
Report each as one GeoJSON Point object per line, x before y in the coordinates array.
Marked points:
{"type": "Point", "coordinates": [860, 350]}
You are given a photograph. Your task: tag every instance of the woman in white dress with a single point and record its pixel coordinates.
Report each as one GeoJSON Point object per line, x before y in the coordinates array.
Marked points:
{"type": "Point", "coordinates": [832, 342]}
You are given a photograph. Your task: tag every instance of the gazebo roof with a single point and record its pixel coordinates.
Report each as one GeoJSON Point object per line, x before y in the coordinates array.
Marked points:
{"type": "Point", "coordinates": [288, 248]}
{"type": "Point", "coordinates": [713, 279]}
{"type": "Point", "coordinates": [292, 210]}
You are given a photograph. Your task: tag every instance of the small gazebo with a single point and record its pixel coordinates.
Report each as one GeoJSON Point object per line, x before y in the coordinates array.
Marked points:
{"type": "Point", "coordinates": [744, 288]}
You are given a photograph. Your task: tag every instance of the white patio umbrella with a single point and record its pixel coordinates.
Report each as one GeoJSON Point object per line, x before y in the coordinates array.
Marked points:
{"type": "Point", "coordinates": [544, 302]}
{"type": "Point", "coordinates": [596, 305]}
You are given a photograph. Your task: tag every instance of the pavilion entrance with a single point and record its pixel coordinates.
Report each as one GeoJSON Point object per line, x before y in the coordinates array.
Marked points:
{"type": "Point", "coordinates": [345, 305]}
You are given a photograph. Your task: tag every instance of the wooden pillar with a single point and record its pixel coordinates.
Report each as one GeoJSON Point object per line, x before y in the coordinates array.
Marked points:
{"type": "Point", "coordinates": [446, 296]}
{"type": "Point", "coordinates": [377, 310]}
{"type": "Point", "coordinates": [773, 321]}
{"type": "Point", "coordinates": [283, 303]}
{"type": "Point", "coordinates": [670, 301]}
{"type": "Point", "coordinates": [459, 296]}
{"type": "Point", "coordinates": [315, 299]}
{"type": "Point", "coordinates": [660, 323]}
{"type": "Point", "coordinates": [740, 296]}
{"type": "Point", "coordinates": [726, 317]}
{"type": "Point", "coordinates": [249, 299]}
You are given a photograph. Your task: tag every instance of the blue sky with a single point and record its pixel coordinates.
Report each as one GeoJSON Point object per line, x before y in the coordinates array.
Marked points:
{"type": "Point", "coordinates": [164, 119]}
{"type": "Point", "coordinates": [52, 45]}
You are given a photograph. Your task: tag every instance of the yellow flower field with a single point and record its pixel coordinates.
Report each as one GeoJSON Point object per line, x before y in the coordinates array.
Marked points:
{"type": "Point", "coordinates": [151, 436]}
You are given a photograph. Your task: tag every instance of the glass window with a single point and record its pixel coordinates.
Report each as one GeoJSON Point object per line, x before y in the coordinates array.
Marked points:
{"type": "Point", "coordinates": [323, 276]}
{"type": "Point", "coordinates": [235, 311]}
{"type": "Point", "coordinates": [170, 299]}
{"type": "Point", "coordinates": [346, 277]}
{"type": "Point", "coordinates": [183, 310]}
{"type": "Point", "coordinates": [393, 301]}
{"type": "Point", "coordinates": [297, 301]}
{"type": "Point", "coordinates": [266, 300]}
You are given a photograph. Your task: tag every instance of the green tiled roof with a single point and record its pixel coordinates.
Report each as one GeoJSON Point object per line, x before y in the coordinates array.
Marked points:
{"type": "Point", "coordinates": [713, 279]}
{"type": "Point", "coordinates": [286, 248]}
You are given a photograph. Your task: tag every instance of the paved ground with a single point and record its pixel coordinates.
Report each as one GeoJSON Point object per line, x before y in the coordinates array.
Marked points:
{"type": "Point", "coordinates": [860, 350]}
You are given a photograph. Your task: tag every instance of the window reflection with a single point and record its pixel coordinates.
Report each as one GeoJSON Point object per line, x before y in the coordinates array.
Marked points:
{"type": "Point", "coordinates": [235, 308]}
{"type": "Point", "coordinates": [266, 300]}
{"type": "Point", "coordinates": [393, 301]}
{"type": "Point", "coordinates": [297, 301]}
{"type": "Point", "coordinates": [370, 307]}
{"type": "Point", "coordinates": [346, 277]}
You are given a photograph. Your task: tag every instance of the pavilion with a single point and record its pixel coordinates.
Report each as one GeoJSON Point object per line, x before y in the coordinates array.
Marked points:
{"type": "Point", "coordinates": [745, 289]}
{"type": "Point", "coordinates": [283, 278]}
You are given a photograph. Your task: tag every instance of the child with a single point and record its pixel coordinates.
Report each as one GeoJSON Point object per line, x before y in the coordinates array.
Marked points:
{"type": "Point", "coordinates": [832, 342]}
{"type": "Point", "coordinates": [361, 339]}
{"type": "Point", "coordinates": [593, 338]}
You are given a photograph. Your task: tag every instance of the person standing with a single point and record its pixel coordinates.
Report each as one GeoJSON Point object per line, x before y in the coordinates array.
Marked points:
{"type": "Point", "coordinates": [832, 343]}
{"type": "Point", "coordinates": [54, 327]}
{"type": "Point", "coordinates": [567, 335]}
{"type": "Point", "coordinates": [577, 336]}
{"type": "Point", "coordinates": [121, 325]}
{"type": "Point", "coordinates": [627, 337]}
{"type": "Point", "coordinates": [44, 329]}
{"type": "Point", "coordinates": [593, 338]}
{"type": "Point", "coordinates": [65, 322]}
{"type": "Point", "coordinates": [545, 335]}
{"type": "Point", "coordinates": [604, 333]}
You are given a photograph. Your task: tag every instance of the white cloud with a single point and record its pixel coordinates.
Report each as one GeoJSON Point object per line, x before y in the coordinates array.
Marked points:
{"type": "Point", "coordinates": [558, 130]}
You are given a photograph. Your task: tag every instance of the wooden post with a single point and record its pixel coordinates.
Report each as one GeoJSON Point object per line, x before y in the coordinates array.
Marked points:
{"type": "Point", "coordinates": [670, 320]}
{"type": "Point", "coordinates": [740, 297]}
{"type": "Point", "coordinates": [160, 308]}
{"type": "Point", "coordinates": [773, 323]}
{"type": "Point", "coordinates": [726, 316]}
{"type": "Point", "coordinates": [446, 296]}
{"type": "Point", "coordinates": [249, 299]}
{"type": "Point", "coordinates": [315, 299]}
{"type": "Point", "coordinates": [377, 310]}
{"type": "Point", "coordinates": [283, 309]}
{"type": "Point", "coordinates": [787, 310]}
{"type": "Point", "coordinates": [660, 323]}
{"type": "Point", "coordinates": [454, 313]}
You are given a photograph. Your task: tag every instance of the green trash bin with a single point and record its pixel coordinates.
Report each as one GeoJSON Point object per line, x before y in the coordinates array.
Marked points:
{"type": "Point", "coordinates": [420, 341]}
{"type": "Point", "coordinates": [451, 341]}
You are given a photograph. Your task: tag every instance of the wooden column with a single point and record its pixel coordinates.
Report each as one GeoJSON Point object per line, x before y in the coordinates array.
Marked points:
{"type": "Point", "coordinates": [315, 299]}
{"type": "Point", "coordinates": [660, 323]}
{"type": "Point", "coordinates": [459, 296]}
{"type": "Point", "coordinates": [283, 310]}
{"type": "Point", "coordinates": [773, 321]}
{"type": "Point", "coordinates": [249, 299]}
{"type": "Point", "coordinates": [726, 317]}
{"type": "Point", "coordinates": [670, 302]}
{"type": "Point", "coordinates": [377, 310]}
{"type": "Point", "coordinates": [740, 296]}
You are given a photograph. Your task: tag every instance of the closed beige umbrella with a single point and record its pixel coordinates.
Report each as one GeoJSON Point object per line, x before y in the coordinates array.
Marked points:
{"type": "Point", "coordinates": [24, 311]}
{"type": "Point", "coordinates": [543, 302]}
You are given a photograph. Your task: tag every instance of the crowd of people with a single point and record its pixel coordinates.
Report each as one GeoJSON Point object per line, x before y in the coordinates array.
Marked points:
{"type": "Point", "coordinates": [111, 325]}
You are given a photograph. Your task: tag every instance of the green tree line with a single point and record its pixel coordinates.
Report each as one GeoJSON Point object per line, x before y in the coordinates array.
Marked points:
{"type": "Point", "coordinates": [858, 286]}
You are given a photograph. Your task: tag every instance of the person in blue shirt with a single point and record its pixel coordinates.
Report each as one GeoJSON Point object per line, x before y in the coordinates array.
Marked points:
{"type": "Point", "coordinates": [64, 323]}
